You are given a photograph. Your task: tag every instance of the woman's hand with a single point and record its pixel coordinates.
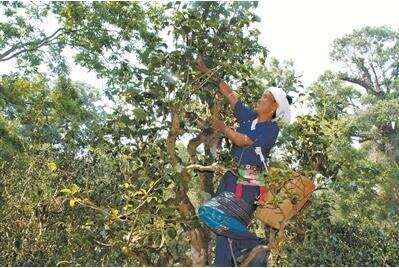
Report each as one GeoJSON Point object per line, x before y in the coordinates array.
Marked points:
{"type": "Point", "coordinates": [235, 137]}
{"type": "Point", "coordinates": [219, 125]}
{"type": "Point", "coordinates": [201, 66]}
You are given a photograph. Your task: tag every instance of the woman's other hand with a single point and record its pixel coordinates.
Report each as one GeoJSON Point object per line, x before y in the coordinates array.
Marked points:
{"type": "Point", "coordinates": [218, 124]}
{"type": "Point", "coordinates": [201, 66]}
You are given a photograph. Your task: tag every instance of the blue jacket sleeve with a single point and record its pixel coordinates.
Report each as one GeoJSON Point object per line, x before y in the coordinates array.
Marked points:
{"type": "Point", "coordinates": [243, 113]}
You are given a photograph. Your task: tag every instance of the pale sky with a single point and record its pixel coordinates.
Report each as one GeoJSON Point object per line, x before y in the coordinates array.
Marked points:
{"type": "Point", "coordinates": [303, 30]}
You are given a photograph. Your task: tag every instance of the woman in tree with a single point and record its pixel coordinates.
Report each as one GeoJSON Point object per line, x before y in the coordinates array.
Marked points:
{"type": "Point", "coordinates": [252, 142]}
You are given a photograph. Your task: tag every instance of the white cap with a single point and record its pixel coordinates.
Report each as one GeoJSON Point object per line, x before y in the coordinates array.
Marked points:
{"type": "Point", "coordinates": [283, 109]}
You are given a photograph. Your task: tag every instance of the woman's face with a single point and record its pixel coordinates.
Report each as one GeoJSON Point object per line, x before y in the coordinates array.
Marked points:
{"type": "Point", "coordinates": [266, 104]}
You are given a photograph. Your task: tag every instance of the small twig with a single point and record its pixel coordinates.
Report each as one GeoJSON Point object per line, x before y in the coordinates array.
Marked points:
{"type": "Point", "coordinates": [142, 203]}
{"type": "Point", "coordinates": [208, 74]}
{"type": "Point", "coordinates": [103, 244]}
{"type": "Point", "coordinates": [62, 262]}
{"type": "Point", "coordinates": [29, 172]}
{"type": "Point", "coordinates": [131, 230]}
{"type": "Point", "coordinates": [92, 206]}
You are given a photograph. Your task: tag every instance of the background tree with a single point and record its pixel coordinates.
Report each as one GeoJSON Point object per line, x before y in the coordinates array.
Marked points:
{"type": "Point", "coordinates": [358, 198]}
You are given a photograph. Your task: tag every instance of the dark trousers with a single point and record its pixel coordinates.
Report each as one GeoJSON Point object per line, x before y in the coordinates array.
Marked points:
{"type": "Point", "coordinates": [223, 254]}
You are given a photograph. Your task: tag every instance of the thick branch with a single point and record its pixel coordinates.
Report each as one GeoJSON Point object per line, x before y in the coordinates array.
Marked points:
{"type": "Point", "coordinates": [377, 84]}
{"type": "Point", "coordinates": [211, 168]}
{"type": "Point", "coordinates": [209, 138]}
{"type": "Point", "coordinates": [172, 136]}
{"type": "Point", "coordinates": [255, 251]}
{"type": "Point", "coordinates": [355, 80]}
{"type": "Point", "coordinates": [193, 145]}
{"type": "Point", "coordinates": [197, 234]}
{"type": "Point", "coordinates": [205, 181]}
{"type": "Point", "coordinates": [366, 73]}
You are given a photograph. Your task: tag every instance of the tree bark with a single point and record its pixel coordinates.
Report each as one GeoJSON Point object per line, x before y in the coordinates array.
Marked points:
{"type": "Point", "coordinates": [358, 81]}
{"type": "Point", "coordinates": [197, 235]}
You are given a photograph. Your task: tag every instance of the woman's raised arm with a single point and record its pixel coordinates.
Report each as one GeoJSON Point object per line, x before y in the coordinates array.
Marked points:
{"type": "Point", "coordinates": [223, 86]}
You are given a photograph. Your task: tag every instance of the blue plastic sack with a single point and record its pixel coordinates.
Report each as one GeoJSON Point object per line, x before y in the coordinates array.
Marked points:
{"type": "Point", "coordinates": [226, 215]}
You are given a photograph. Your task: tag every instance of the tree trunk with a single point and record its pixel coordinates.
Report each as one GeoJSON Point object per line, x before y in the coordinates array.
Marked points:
{"type": "Point", "coordinates": [197, 235]}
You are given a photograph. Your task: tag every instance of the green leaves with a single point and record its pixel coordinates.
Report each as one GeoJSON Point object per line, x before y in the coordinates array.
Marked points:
{"type": "Point", "coordinates": [332, 98]}
{"type": "Point", "coordinates": [335, 242]}
{"type": "Point", "coordinates": [349, 175]}
{"type": "Point", "coordinates": [52, 166]}
{"type": "Point", "coordinates": [113, 168]}
{"type": "Point", "coordinates": [140, 114]}
{"type": "Point", "coordinates": [70, 191]}
{"type": "Point", "coordinates": [72, 202]}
